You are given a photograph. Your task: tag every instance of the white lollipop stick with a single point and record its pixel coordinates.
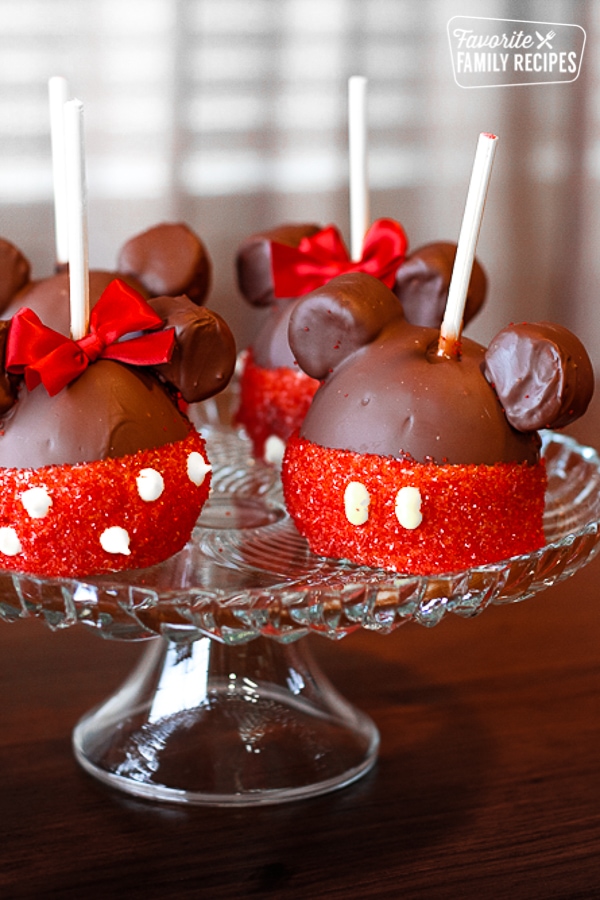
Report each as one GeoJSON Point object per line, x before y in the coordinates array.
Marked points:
{"type": "Point", "coordinates": [467, 242]}
{"type": "Point", "coordinates": [58, 94]}
{"type": "Point", "coordinates": [77, 220]}
{"type": "Point", "coordinates": [357, 140]}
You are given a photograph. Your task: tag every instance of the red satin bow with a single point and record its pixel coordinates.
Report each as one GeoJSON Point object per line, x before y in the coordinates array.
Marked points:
{"type": "Point", "coordinates": [323, 256]}
{"type": "Point", "coordinates": [44, 355]}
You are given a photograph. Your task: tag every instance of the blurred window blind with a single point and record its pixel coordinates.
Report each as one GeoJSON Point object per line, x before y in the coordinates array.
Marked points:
{"type": "Point", "coordinates": [212, 97]}
{"type": "Point", "coordinates": [232, 115]}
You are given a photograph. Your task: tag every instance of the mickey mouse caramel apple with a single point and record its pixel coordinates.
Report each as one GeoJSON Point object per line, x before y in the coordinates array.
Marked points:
{"type": "Point", "coordinates": [101, 470]}
{"type": "Point", "coordinates": [407, 459]}
{"type": "Point", "coordinates": [276, 267]}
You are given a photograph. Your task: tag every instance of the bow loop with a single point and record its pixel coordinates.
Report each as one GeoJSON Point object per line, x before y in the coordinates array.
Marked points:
{"type": "Point", "coordinates": [43, 355]}
{"type": "Point", "coordinates": [320, 257]}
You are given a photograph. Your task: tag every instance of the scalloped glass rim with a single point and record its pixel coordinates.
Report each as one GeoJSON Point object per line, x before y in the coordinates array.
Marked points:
{"type": "Point", "coordinates": [259, 578]}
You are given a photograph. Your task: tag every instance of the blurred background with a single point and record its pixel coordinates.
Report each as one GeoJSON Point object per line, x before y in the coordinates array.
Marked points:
{"type": "Point", "coordinates": [231, 115]}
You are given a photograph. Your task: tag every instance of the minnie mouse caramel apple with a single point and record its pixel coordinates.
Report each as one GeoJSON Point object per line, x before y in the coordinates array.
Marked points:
{"type": "Point", "coordinates": [100, 469]}
{"type": "Point", "coordinates": [420, 452]}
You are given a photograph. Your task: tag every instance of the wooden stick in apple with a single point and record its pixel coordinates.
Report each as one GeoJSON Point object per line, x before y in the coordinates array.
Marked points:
{"type": "Point", "coordinates": [357, 141]}
{"type": "Point", "coordinates": [451, 328]}
{"type": "Point", "coordinates": [77, 219]}
{"type": "Point", "coordinates": [58, 94]}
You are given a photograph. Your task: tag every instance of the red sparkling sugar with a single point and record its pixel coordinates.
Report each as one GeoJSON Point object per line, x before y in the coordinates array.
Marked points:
{"type": "Point", "coordinates": [88, 498]}
{"type": "Point", "coordinates": [472, 514]}
{"type": "Point", "coordinates": [272, 402]}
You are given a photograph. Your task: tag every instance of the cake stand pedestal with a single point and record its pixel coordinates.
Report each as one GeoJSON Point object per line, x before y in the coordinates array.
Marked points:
{"type": "Point", "coordinates": [210, 723]}
{"type": "Point", "coordinates": [226, 706]}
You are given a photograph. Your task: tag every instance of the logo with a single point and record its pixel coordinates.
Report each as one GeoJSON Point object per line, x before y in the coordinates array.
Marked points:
{"type": "Point", "coordinates": [502, 52]}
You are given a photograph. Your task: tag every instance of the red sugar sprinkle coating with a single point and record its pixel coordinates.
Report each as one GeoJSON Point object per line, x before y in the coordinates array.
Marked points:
{"type": "Point", "coordinates": [89, 497]}
{"type": "Point", "coordinates": [472, 514]}
{"type": "Point", "coordinates": [272, 401]}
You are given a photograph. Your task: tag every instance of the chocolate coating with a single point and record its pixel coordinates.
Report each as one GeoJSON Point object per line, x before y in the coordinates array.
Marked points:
{"type": "Point", "coordinates": [271, 347]}
{"type": "Point", "coordinates": [168, 259]}
{"type": "Point", "coordinates": [253, 261]}
{"type": "Point", "coordinates": [542, 374]}
{"type": "Point", "coordinates": [14, 272]}
{"type": "Point", "coordinates": [423, 280]}
{"type": "Point", "coordinates": [390, 393]}
{"type": "Point", "coordinates": [203, 359]}
{"type": "Point", "coordinates": [397, 398]}
{"type": "Point", "coordinates": [109, 411]}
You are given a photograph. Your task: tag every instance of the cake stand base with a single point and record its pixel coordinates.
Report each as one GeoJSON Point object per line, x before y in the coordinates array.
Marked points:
{"type": "Point", "coordinates": [226, 725]}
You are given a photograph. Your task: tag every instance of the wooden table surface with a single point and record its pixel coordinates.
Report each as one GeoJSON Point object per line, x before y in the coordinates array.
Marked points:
{"type": "Point", "coordinates": [487, 785]}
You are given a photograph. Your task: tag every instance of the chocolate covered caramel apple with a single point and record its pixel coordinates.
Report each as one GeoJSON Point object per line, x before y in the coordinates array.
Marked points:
{"type": "Point", "coordinates": [100, 469]}
{"type": "Point", "coordinates": [414, 460]}
{"type": "Point", "coordinates": [277, 267]}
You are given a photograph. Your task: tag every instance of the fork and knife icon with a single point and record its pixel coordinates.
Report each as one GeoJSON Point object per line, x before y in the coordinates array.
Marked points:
{"type": "Point", "coordinates": [545, 41]}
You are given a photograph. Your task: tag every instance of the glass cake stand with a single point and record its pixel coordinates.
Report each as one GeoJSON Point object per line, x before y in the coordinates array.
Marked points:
{"type": "Point", "coordinates": [226, 706]}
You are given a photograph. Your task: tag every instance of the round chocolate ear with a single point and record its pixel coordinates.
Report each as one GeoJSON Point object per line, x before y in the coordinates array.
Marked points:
{"type": "Point", "coordinates": [332, 322]}
{"type": "Point", "coordinates": [204, 356]}
{"type": "Point", "coordinates": [541, 373]}
{"type": "Point", "coordinates": [14, 272]}
{"type": "Point", "coordinates": [168, 259]}
{"type": "Point", "coordinates": [253, 261]}
{"type": "Point", "coordinates": [422, 283]}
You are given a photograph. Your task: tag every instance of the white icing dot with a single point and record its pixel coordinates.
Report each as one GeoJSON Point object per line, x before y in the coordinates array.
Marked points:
{"type": "Point", "coordinates": [408, 507]}
{"type": "Point", "coordinates": [197, 468]}
{"type": "Point", "coordinates": [274, 450]}
{"type": "Point", "coordinates": [10, 545]}
{"type": "Point", "coordinates": [37, 501]}
{"type": "Point", "coordinates": [150, 484]}
{"type": "Point", "coordinates": [356, 503]}
{"type": "Point", "coordinates": [115, 540]}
